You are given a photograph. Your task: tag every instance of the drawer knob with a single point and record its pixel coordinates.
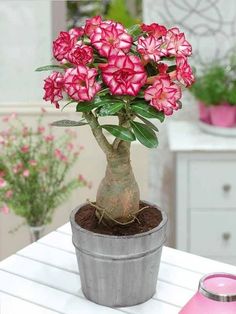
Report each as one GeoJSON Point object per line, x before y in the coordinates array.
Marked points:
{"type": "Point", "coordinates": [226, 236]}
{"type": "Point", "coordinates": [226, 187]}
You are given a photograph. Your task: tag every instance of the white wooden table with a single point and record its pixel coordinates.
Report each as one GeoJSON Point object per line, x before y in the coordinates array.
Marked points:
{"type": "Point", "coordinates": [43, 279]}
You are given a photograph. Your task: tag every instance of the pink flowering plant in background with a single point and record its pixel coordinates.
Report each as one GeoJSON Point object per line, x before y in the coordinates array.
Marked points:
{"type": "Point", "coordinates": [135, 75]}
{"type": "Point", "coordinates": [33, 168]}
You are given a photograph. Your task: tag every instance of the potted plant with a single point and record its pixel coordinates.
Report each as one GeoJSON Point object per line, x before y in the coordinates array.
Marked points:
{"type": "Point", "coordinates": [215, 90]}
{"type": "Point", "coordinates": [33, 169]}
{"type": "Point", "coordinates": [132, 76]}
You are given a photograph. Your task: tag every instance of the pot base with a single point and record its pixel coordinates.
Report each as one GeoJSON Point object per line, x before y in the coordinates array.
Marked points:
{"type": "Point", "coordinates": [118, 271]}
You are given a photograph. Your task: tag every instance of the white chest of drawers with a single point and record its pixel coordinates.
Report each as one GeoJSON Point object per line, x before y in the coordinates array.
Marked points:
{"type": "Point", "coordinates": [205, 186]}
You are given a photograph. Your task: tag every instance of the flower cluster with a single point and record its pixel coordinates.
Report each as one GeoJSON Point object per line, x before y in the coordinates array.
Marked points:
{"type": "Point", "coordinates": [149, 62]}
{"type": "Point", "coordinates": [33, 166]}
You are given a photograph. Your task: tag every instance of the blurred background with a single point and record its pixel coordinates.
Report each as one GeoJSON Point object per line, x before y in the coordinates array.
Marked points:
{"type": "Point", "coordinates": [27, 29]}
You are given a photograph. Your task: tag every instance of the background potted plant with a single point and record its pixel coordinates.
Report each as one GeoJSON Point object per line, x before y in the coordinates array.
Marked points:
{"type": "Point", "coordinates": [132, 76]}
{"type": "Point", "coordinates": [215, 90]}
{"type": "Point", "coordinates": [33, 169]}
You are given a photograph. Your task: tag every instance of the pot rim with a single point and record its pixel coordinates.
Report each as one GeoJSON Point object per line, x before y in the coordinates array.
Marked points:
{"type": "Point", "coordinates": [137, 235]}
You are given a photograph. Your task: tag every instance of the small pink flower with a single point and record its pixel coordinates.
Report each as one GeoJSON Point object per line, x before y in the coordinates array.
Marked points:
{"type": "Point", "coordinates": [17, 168]}
{"type": "Point", "coordinates": [154, 29]}
{"type": "Point", "coordinates": [150, 48]}
{"type": "Point", "coordinates": [25, 149]}
{"type": "Point", "coordinates": [2, 174]}
{"type": "Point", "coordinates": [33, 163]}
{"type": "Point", "coordinates": [110, 38]}
{"type": "Point", "coordinates": [53, 88]}
{"type": "Point", "coordinates": [9, 194]}
{"type": "Point", "coordinates": [124, 75]}
{"type": "Point", "coordinates": [49, 138]}
{"type": "Point", "coordinates": [76, 32]}
{"type": "Point", "coordinates": [81, 54]}
{"type": "Point", "coordinates": [58, 154]}
{"type": "Point", "coordinates": [3, 183]}
{"type": "Point", "coordinates": [10, 117]}
{"type": "Point", "coordinates": [5, 209]}
{"type": "Point", "coordinates": [80, 83]}
{"type": "Point", "coordinates": [163, 94]}
{"type": "Point", "coordinates": [184, 73]}
{"type": "Point", "coordinates": [176, 44]}
{"type": "Point", "coordinates": [41, 129]}
{"type": "Point", "coordinates": [26, 173]}
{"type": "Point", "coordinates": [92, 24]}
{"type": "Point", "coordinates": [70, 146]}
{"type": "Point", "coordinates": [64, 44]}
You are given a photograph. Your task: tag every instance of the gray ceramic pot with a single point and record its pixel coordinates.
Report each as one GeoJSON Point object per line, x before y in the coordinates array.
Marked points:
{"type": "Point", "coordinates": [118, 270]}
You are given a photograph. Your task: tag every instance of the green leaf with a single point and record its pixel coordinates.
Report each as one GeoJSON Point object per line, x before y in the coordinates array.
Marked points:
{"type": "Point", "coordinates": [50, 68]}
{"type": "Point", "coordinates": [110, 109]}
{"type": "Point", "coordinates": [147, 111]}
{"type": "Point", "coordinates": [68, 123]}
{"type": "Point", "coordinates": [144, 134]}
{"type": "Point", "coordinates": [134, 30]}
{"type": "Point", "coordinates": [120, 132]}
{"type": "Point", "coordinates": [85, 106]}
{"type": "Point", "coordinates": [147, 122]}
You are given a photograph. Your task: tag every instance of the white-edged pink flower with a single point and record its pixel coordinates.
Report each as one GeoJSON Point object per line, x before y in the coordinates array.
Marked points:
{"type": "Point", "coordinates": [80, 54]}
{"type": "Point", "coordinates": [124, 75]}
{"type": "Point", "coordinates": [64, 44]}
{"type": "Point", "coordinates": [176, 44]}
{"type": "Point", "coordinates": [110, 38]}
{"type": "Point", "coordinates": [5, 209]}
{"type": "Point", "coordinates": [3, 183]}
{"type": "Point", "coordinates": [25, 149]}
{"type": "Point", "coordinates": [163, 94]}
{"type": "Point", "coordinates": [26, 173]}
{"type": "Point", "coordinates": [76, 32]}
{"type": "Point", "coordinates": [184, 73]}
{"type": "Point", "coordinates": [80, 83]}
{"type": "Point", "coordinates": [150, 48]}
{"type": "Point", "coordinates": [154, 29]}
{"type": "Point", "coordinates": [53, 88]}
{"type": "Point", "coordinates": [92, 24]}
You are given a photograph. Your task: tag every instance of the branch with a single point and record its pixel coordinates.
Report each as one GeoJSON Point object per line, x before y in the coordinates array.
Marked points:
{"type": "Point", "coordinates": [98, 134]}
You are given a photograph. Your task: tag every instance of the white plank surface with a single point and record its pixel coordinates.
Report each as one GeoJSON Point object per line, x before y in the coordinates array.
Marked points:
{"type": "Point", "coordinates": [43, 278]}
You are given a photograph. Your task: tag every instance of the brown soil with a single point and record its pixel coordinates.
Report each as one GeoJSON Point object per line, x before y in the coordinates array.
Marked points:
{"type": "Point", "coordinates": [149, 218]}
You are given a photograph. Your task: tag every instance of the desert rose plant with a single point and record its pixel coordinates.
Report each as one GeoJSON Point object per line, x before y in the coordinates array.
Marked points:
{"type": "Point", "coordinates": [133, 75]}
{"type": "Point", "coordinates": [33, 169]}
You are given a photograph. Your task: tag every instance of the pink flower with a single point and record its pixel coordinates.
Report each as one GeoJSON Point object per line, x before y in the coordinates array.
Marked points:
{"type": "Point", "coordinates": [25, 149]}
{"type": "Point", "coordinates": [124, 75]}
{"type": "Point", "coordinates": [41, 129]}
{"type": "Point", "coordinates": [81, 54]}
{"type": "Point", "coordinates": [110, 38]}
{"type": "Point", "coordinates": [76, 32]}
{"type": "Point", "coordinates": [9, 194]}
{"type": "Point", "coordinates": [162, 67]}
{"type": "Point", "coordinates": [64, 44]}
{"type": "Point", "coordinates": [184, 73]}
{"type": "Point", "coordinates": [17, 168]}
{"type": "Point", "coordinates": [176, 44]}
{"type": "Point", "coordinates": [150, 48]}
{"type": "Point", "coordinates": [70, 146]}
{"type": "Point", "coordinates": [92, 24]}
{"type": "Point", "coordinates": [154, 29]}
{"type": "Point", "coordinates": [9, 117]}
{"type": "Point", "coordinates": [80, 83]}
{"type": "Point", "coordinates": [49, 138]}
{"type": "Point", "coordinates": [163, 94]}
{"type": "Point", "coordinates": [2, 174]}
{"type": "Point", "coordinates": [5, 209]}
{"type": "Point", "coordinates": [58, 154]}
{"type": "Point", "coordinates": [33, 163]}
{"type": "Point", "coordinates": [26, 173]}
{"type": "Point", "coordinates": [53, 88]}
{"type": "Point", "coordinates": [3, 183]}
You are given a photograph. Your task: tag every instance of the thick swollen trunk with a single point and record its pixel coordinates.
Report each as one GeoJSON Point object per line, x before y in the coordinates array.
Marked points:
{"type": "Point", "coordinates": [118, 193]}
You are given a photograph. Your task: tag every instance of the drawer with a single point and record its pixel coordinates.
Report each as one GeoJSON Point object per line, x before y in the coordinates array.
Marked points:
{"type": "Point", "coordinates": [212, 184]}
{"type": "Point", "coordinates": [213, 233]}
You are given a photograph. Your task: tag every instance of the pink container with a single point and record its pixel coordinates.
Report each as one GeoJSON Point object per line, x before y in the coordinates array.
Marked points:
{"type": "Point", "coordinates": [204, 113]}
{"type": "Point", "coordinates": [216, 295]}
{"type": "Point", "coordinates": [223, 115]}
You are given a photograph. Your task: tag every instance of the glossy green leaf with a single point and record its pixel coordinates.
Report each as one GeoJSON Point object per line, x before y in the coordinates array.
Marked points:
{"type": "Point", "coordinates": [144, 134]}
{"type": "Point", "coordinates": [68, 123]}
{"type": "Point", "coordinates": [120, 132]}
{"type": "Point", "coordinates": [110, 109]}
{"type": "Point", "coordinates": [148, 123]}
{"type": "Point", "coordinates": [147, 111]}
{"type": "Point", "coordinates": [85, 106]}
{"type": "Point", "coordinates": [50, 68]}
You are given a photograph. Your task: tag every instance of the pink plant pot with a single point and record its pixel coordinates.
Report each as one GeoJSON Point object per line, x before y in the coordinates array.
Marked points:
{"type": "Point", "coordinates": [223, 115]}
{"type": "Point", "coordinates": [204, 113]}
